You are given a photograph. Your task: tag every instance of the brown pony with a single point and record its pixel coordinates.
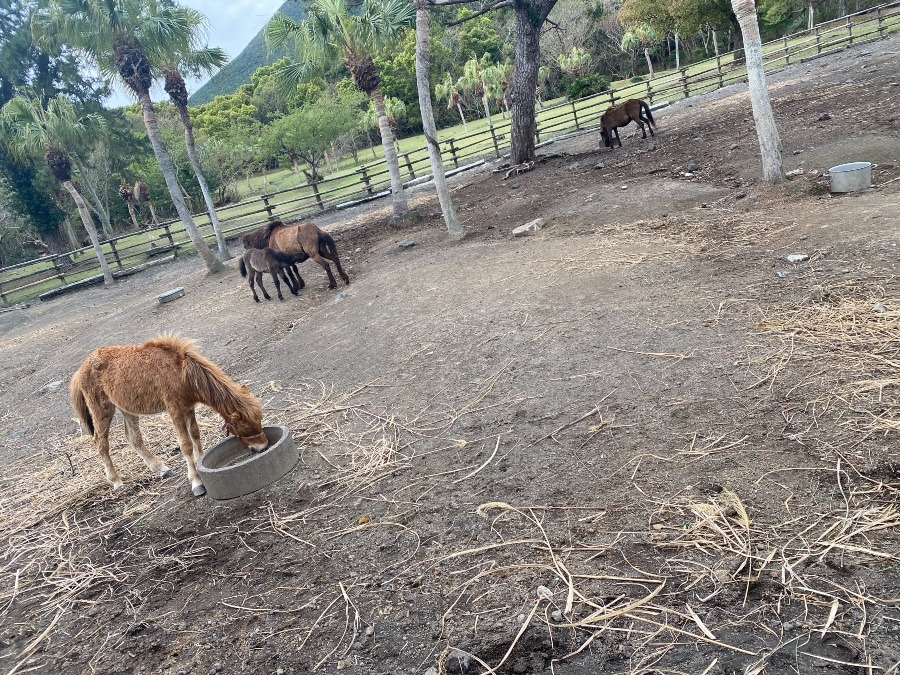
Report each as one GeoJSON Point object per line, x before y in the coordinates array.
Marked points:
{"type": "Point", "coordinates": [304, 240]}
{"type": "Point", "coordinates": [166, 374]}
{"type": "Point", "coordinates": [259, 260]}
{"type": "Point", "coordinates": [633, 110]}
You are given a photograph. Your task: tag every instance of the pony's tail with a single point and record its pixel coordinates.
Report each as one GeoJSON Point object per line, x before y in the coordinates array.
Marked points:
{"type": "Point", "coordinates": [327, 245]}
{"type": "Point", "coordinates": [79, 404]}
{"type": "Point", "coordinates": [242, 267]}
{"type": "Point", "coordinates": [648, 113]}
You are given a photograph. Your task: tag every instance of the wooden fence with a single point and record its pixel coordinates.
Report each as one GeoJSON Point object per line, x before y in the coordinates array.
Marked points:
{"type": "Point", "coordinates": [133, 251]}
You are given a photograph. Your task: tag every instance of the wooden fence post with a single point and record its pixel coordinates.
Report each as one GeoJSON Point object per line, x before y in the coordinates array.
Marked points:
{"type": "Point", "coordinates": [60, 272]}
{"type": "Point", "coordinates": [409, 166]}
{"type": "Point", "coordinates": [115, 252]}
{"type": "Point", "coordinates": [494, 139]}
{"type": "Point", "coordinates": [880, 26]}
{"type": "Point", "coordinates": [575, 115]}
{"type": "Point", "coordinates": [849, 31]}
{"type": "Point", "coordinates": [315, 189]}
{"type": "Point", "coordinates": [453, 153]}
{"type": "Point", "coordinates": [684, 82]}
{"type": "Point", "coordinates": [269, 209]}
{"type": "Point", "coordinates": [169, 235]}
{"type": "Point", "coordinates": [364, 171]}
{"type": "Point", "coordinates": [818, 41]}
{"type": "Point", "coordinates": [787, 54]}
{"type": "Point", "coordinates": [649, 95]}
{"type": "Point", "coordinates": [719, 70]}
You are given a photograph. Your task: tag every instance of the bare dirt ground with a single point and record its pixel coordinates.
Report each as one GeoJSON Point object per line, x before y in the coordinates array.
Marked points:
{"type": "Point", "coordinates": [638, 441]}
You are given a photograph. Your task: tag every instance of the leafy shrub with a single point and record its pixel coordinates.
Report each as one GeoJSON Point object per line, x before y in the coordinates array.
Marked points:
{"type": "Point", "coordinates": [583, 85]}
{"type": "Point", "coordinates": [636, 78]}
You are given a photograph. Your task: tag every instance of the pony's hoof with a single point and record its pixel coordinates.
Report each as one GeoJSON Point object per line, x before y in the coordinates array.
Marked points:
{"type": "Point", "coordinates": [256, 299]}
{"type": "Point", "coordinates": [198, 490]}
{"type": "Point", "coordinates": [166, 472]}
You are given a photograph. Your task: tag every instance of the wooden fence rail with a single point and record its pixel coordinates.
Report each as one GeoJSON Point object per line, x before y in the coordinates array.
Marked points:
{"type": "Point", "coordinates": [129, 252]}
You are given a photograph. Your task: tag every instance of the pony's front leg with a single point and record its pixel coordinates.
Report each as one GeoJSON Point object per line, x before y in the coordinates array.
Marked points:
{"type": "Point", "coordinates": [102, 420]}
{"type": "Point", "coordinates": [136, 441]}
{"type": "Point", "coordinates": [261, 287]}
{"type": "Point", "coordinates": [617, 137]}
{"type": "Point", "coordinates": [179, 421]}
{"type": "Point", "coordinates": [194, 430]}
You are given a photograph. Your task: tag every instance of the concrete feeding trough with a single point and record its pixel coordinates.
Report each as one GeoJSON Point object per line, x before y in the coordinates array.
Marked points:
{"type": "Point", "coordinates": [229, 469]}
{"type": "Point", "coordinates": [169, 296]}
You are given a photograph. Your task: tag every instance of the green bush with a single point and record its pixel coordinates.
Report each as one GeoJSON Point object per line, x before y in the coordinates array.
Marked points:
{"type": "Point", "coordinates": [636, 78]}
{"type": "Point", "coordinates": [583, 85]}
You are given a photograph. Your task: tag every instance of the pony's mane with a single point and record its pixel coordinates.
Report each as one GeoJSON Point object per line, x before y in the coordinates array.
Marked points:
{"type": "Point", "coordinates": [212, 384]}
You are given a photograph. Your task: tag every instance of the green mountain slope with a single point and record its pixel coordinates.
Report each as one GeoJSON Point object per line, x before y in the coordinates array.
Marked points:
{"type": "Point", "coordinates": [238, 71]}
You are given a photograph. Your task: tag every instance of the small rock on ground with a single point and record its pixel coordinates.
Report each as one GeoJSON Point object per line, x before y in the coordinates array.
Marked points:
{"type": "Point", "coordinates": [458, 662]}
{"type": "Point", "coordinates": [797, 257]}
{"type": "Point", "coordinates": [529, 227]}
{"type": "Point", "coordinates": [824, 117]}
{"type": "Point", "coordinates": [406, 243]}
{"type": "Point", "coordinates": [600, 165]}
{"type": "Point", "coordinates": [734, 146]}
{"type": "Point", "coordinates": [692, 166]}
{"type": "Point", "coordinates": [50, 387]}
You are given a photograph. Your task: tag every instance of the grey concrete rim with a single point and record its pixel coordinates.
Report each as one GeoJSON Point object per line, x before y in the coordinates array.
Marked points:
{"type": "Point", "coordinates": [225, 478]}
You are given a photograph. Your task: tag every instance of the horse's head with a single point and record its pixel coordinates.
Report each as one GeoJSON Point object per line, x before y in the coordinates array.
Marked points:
{"type": "Point", "coordinates": [248, 429]}
{"type": "Point", "coordinates": [607, 139]}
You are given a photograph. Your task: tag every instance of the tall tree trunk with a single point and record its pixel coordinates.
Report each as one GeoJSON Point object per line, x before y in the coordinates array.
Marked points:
{"type": "Point", "coordinates": [715, 41]}
{"type": "Point", "coordinates": [649, 62]}
{"type": "Point", "coordinates": [462, 116]}
{"type": "Point", "coordinates": [766, 131]}
{"type": "Point", "coordinates": [487, 108]}
{"type": "Point", "coordinates": [523, 124]}
{"type": "Point", "coordinates": [94, 202]}
{"type": "Point", "coordinates": [810, 24]}
{"type": "Point", "coordinates": [91, 230]}
{"type": "Point", "coordinates": [842, 8]}
{"type": "Point", "coordinates": [423, 59]}
{"type": "Point", "coordinates": [677, 54]}
{"type": "Point", "coordinates": [133, 215]}
{"type": "Point", "coordinates": [224, 253]}
{"type": "Point", "coordinates": [69, 232]}
{"type": "Point", "coordinates": [390, 155]}
{"type": "Point", "coordinates": [213, 264]}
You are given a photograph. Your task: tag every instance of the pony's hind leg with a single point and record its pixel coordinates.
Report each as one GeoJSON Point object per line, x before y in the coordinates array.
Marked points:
{"type": "Point", "coordinates": [266, 295]}
{"type": "Point", "coordinates": [136, 441]}
{"type": "Point", "coordinates": [251, 278]}
{"type": "Point", "coordinates": [103, 415]}
{"type": "Point", "coordinates": [337, 263]}
{"type": "Point", "coordinates": [324, 263]}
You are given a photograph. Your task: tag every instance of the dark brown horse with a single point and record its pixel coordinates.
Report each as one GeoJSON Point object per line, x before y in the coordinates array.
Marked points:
{"type": "Point", "coordinates": [303, 240]}
{"type": "Point", "coordinates": [633, 110]}
{"type": "Point", "coordinates": [256, 261]}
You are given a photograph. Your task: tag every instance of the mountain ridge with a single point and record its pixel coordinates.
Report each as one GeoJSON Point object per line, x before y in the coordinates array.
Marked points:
{"type": "Point", "coordinates": [239, 70]}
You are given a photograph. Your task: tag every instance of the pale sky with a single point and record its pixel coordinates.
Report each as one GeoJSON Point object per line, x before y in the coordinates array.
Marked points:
{"type": "Point", "coordinates": [233, 23]}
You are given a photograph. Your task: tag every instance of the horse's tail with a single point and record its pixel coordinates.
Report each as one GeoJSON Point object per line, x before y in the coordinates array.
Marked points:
{"type": "Point", "coordinates": [242, 267]}
{"type": "Point", "coordinates": [648, 113]}
{"type": "Point", "coordinates": [79, 404]}
{"type": "Point", "coordinates": [327, 245]}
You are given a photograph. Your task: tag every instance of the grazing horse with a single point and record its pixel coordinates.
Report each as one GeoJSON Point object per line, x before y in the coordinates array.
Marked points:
{"type": "Point", "coordinates": [259, 260]}
{"type": "Point", "coordinates": [633, 110]}
{"type": "Point", "coordinates": [304, 240]}
{"type": "Point", "coordinates": [166, 374]}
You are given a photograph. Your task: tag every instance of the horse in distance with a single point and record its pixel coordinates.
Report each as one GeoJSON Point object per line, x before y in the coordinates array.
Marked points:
{"type": "Point", "coordinates": [632, 110]}
{"type": "Point", "coordinates": [305, 240]}
{"type": "Point", "coordinates": [256, 261]}
{"type": "Point", "coordinates": [165, 374]}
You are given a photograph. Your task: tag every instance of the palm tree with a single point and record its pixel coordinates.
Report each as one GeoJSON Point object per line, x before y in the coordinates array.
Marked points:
{"type": "Point", "coordinates": [331, 32]}
{"type": "Point", "coordinates": [125, 38]}
{"type": "Point", "coordinates": [447, 90]}
{"type": "Point", "coordinates": [26, 129]}
{"type": "Point", "coordinates": [473, 80]}
{"type": "Point", "coordinates": [423, 56]}
{"type": "Point", "coordinates": [195, 62]}
{"type": "Point", "coordinates": [766, 131]}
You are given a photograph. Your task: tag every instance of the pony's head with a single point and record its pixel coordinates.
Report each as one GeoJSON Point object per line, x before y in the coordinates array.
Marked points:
{"type": "Point", "coordinates": [607, 139]}
{"type": "Point", "coordinates": [246, 426]}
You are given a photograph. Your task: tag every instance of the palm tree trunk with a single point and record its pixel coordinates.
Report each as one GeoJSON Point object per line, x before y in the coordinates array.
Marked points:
{"type": "Point", "coordinates": [423, 58]}
{"type": "Point", "coordinates": [91, 230]}
{"type": "Point", "coordinates": [69, 231]}
{"type": "Point", "coordinates": [487, 108]}
{"type": "Point", "coordinates": [224, 253]}
{"type": "Point", "coordinates": [677, 54]}
{"type": "Point", "coordinates": [133, 215]}
{"type": "Point", "coordinates": [766, 131]}
{"type": "Point", "coordinates": [213, 264]}
{"type": "Point", "coordinates": [462, 117]}
{"type": "Point", "coordinates": [94, 202]}
{"type": "Point", "coordinates": [390, 154]}
{"type": "Point", "coordinates": [649, 62]}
